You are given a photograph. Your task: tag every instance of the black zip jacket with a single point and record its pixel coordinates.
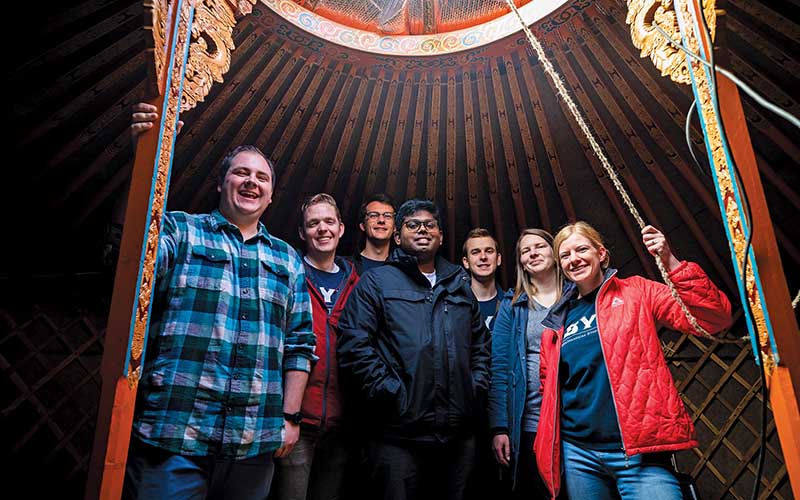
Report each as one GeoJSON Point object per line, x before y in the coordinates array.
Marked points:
{"type": "Point", "coordinates": [419, 355]}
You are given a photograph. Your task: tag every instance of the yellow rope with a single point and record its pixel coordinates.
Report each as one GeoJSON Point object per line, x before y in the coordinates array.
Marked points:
{"type": "Point", "coordinates": [796, 300]}
{"type": "Point", "coordinates": [612, 174]}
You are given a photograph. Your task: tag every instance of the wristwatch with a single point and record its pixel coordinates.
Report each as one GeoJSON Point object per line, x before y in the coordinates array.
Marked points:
{"type": "Point", "coordinates": [294, 418]}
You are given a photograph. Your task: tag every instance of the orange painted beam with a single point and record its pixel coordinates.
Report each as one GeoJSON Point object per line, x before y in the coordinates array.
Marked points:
{"type": "Point", "coordinates": [117, 398]}
{"type": "Point", "coordinates": [126, 332]}
{"type": "Point", "coordinates": [785, 377]}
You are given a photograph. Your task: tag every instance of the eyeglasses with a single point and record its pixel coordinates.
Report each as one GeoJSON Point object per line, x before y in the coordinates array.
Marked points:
{"type": "Point", "coordinates": [415, 224]}
{"type": "Point", "coordinates": [373, 216]}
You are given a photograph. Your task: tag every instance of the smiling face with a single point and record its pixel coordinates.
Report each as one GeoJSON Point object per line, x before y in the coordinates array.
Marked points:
{"type": "Point", "coordinates": [535, 255]}
{"type": "Point", "coordinates": [321, 230]}
{"type": "Point", "coordinates": [482, 257]}
{"type": "Point", "coordinates": [582, 262]}
{"type": "Point", "coordinates": [377, 226]}
{"type": "Point", "coordinates": [423, 242]}
{"type": "Point", "coordinates": [246, 189]}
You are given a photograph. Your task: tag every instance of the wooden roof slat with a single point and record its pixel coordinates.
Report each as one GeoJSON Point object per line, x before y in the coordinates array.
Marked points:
{"type": "Point", "coordinates": [396, 146]}
{"type": "Point", "coordinates": [502, 116]}
{"type": "Point", "coordinates": [338, 115]}
{"type": "Point", "coordinates": [120, 108]}
{"type": "Point", "coordinates": [650, 163]}
{"type": "Point", "coordinates": [434, 136]}
{"type": "Point", "coordinates": [451, 144]}
{"type": "Point", "coordinates": [490, 158]}
{"type": "Point", "coordinates": [316, 123]}
{"type": "Point", "coordinates": [622, 214]}
{"type": "Point", "coordinates": [368, 137]}
{"type": "Point", "coordinates": [416, 137]}
{"type": "Point", "coordinates": [778, 181]}
{"type": "Point", "coordinates": [377, 154]}
{"type": "Point", "coordinates": [471, 144]}
{"type": "Point", "coordinates": [109, 85]}
{"type": "Point", "coordinates": [532, 164]}
{"type": "Point", "coordinates": [260, 128]}
{"type": "Point", "coordinates": [299, 114]}
{"type": "Point", "coordinates": [82, 38]}
{"type": "Point", "coordinates": [224, 105]}
{"type": "Point", "coordinates": [768, 51]}
{"type": "Point", "coordinates": [346, 139]}
{"type": "Point", "coordinates": [671, 149]}
{"type": "Point", "coordinates": [541, 120]}
{"type": "Point", "coordinates": [306, 74]}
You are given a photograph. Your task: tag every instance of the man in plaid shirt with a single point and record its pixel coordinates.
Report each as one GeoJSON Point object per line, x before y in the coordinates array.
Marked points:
{"type": "Point", "coordinates": [229, 350]}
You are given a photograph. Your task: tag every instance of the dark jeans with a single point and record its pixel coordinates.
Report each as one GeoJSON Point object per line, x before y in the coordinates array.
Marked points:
{"type": "Point", "coordinates": [153, 473]}
{"type": "Point", "coordinates": [315, 469]}
{"type": "Point", "coordinates": [529, 484]}
{"type": "Point", "coordinates": [489, 479]}
{"type": "Point", "coordinates": [417, 471]}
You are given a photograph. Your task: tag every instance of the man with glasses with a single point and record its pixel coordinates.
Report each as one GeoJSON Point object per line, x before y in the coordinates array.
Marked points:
{"type": "Point", "coordinates": [376, 221]}
{"type": "Point", "coordinates": [412, 338]}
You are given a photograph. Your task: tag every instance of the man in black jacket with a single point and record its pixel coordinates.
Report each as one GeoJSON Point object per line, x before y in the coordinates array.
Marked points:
{"type": "Point", "coordinates": [413, 341]}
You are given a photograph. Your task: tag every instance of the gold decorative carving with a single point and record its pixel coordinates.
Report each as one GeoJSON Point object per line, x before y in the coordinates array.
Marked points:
{"type": "Point", "coordinates": [643, 15]}
{"type": "Point", "coordinates": [171, 98]}
{"type": "Point", "coordinates": [730, 205]}
{"type": "Point", "coordinates": [211, 46]}
{"type": "Point", "coordinates": [156, 17]}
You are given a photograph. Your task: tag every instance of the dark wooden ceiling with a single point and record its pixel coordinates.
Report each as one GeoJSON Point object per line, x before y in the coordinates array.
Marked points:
{"type": "Point", "coordinates": [479, 132]}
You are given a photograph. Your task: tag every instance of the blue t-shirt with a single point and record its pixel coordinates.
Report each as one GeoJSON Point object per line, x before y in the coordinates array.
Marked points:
{"type": "Point", "coordinates": [588, 416]}
{"type": "Point", "coordinates": [328, 284]}
{"type": "Point", "coordinates": [366, 264]}
{"type": "Point", "coordinates": [489, 309]}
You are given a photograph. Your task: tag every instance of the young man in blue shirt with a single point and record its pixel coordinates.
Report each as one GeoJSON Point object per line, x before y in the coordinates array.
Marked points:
{"type": "Point", "coordinates": [230, 346]}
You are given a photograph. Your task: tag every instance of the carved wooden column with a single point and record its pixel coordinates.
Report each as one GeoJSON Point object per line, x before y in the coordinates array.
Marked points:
{"type": "Point", "coordinates": [771, 321]}
{"type": "Point", "coordinates": [190, 42]}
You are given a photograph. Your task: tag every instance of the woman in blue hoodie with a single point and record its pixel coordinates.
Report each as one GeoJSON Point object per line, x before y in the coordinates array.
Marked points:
{"type": "Point", "coordinates": [514, 396]}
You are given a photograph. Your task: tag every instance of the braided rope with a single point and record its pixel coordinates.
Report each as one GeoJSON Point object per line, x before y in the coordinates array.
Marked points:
{"type": "Point", "coordinates": [796, 300]}
{"type": "Point", "coordinates": [612, 174]}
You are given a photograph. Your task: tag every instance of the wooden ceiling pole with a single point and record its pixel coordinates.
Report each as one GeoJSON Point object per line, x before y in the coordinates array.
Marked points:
{"type": "Point", "coordinates": [772, 324]}
{"type": "Point", "coordinates": [180, 74]}
{"type": "Point", "coordinates": [130, 303]}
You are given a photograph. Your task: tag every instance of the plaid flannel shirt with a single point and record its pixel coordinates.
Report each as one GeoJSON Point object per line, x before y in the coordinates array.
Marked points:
{"type": "Point", "coordinates": [229, 318]}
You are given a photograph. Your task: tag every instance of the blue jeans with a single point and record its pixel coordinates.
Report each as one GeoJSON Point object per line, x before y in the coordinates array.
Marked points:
{"type": "Point", "coordinates": [603, 475]}
{"type": "Point", "coordinates": [152, 473]}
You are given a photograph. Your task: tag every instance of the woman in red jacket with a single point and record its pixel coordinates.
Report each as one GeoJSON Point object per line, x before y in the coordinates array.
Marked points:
{"type": "Point", "coordinates": [609, 404]}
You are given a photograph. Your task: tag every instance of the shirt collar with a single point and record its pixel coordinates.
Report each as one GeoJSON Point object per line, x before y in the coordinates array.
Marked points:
{"type": "Point", "coordinates": [219, 221]}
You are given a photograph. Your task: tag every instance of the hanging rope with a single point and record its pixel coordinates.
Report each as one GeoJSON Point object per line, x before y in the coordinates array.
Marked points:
{"type": "Point", "coordinates": [561, 90]}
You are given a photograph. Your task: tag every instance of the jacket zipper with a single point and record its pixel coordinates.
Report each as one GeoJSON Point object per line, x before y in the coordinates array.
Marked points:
{"type": "Point", "coordinates": [556, 414]}
{"type": "Point", "coordinates": [326, 383]}
{"type": "Point", "coordinates": [605, 359]}
{"type": "Point", "coordinates": [327, 375]}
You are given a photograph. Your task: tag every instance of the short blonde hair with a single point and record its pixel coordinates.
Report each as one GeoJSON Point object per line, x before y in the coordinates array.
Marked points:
{"type": "Point", "coordinates": [587, 231]}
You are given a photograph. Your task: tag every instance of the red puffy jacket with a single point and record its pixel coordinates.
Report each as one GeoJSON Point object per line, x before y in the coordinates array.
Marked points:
{"type": "Point", "coordinates": [650, 411]}
{"type": "Point", "coordinates": [322, 399]}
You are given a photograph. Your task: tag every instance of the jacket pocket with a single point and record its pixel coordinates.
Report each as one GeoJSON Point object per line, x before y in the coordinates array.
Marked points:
{"type": "Point", "coordinates": [406, 317]}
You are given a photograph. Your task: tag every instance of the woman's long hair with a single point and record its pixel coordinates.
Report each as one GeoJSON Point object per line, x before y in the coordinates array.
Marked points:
{"type": "Point", "coordinates": [523, 280]}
